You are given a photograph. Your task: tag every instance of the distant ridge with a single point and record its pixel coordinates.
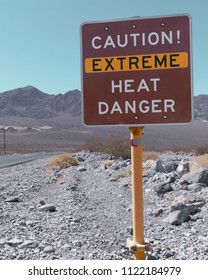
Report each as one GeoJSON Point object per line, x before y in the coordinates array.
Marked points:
{"type": "Point", "coordinates": [32, 103]}
{"type": "Point", "coordinates": [201, 107]}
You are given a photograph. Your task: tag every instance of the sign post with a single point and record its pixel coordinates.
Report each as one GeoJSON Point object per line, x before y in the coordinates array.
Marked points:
{"type": "Point", "coordinates": [137, 193]}
{"type": "Point", "coordinates": [137, 72]}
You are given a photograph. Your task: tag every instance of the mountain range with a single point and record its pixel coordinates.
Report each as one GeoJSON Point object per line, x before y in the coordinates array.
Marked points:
{"type": "Point", "coordinates": [56, 119]}
{"type": "Point", "coordinates": [32, 103]}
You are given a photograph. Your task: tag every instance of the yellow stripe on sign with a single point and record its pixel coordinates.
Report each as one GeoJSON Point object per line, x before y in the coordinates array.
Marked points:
{"type": "Point", "coordinates": [136, 62]}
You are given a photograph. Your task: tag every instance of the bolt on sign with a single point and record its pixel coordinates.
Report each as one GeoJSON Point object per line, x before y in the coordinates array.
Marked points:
{"type": "Point", "coordinates": [137, 71]}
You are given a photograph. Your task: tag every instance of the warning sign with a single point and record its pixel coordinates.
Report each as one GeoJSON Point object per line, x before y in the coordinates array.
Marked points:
{"type": "Point", "coordinates": [136, 62]}
{"type": "Point", "coordinates": [137, 71]}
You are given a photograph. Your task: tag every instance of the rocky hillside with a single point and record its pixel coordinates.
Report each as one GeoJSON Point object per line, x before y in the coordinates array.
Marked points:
{"type": "Point", "coordinates": [32, 103]}
{"type": "Point", "coordinates": [201, 107]}
{"type": "Point", "coordinates": [85, 212]}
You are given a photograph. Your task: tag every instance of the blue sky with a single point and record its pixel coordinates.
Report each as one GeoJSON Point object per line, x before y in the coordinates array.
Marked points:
{"type": "Point", "coordinates": [40, 39]}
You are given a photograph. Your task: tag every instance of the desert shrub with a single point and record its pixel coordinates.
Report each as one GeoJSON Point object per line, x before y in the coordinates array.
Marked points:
{"type": "Point", "coordinates": [201, 150]}
{"type": "Point", "coordinates": [198, 162]}
{"type": "Point", "coordinates": [150, 155]}
{"type": "Point", "coordinates": [106, 163]}
{"type": "Point", "coordinates": [94, 144]}
{"type": "Point", "coordinates": [123, 174]}
{"type": "Point", "coordinates": [116, 146]}
{"type": "Point", "coordinates": [62, 161]}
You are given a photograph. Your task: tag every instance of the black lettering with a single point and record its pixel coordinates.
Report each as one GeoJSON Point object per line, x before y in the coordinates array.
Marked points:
{"type": "Point", "coordinates": [145, 61]}
{"type": "Point", "coordinates": [109, 64]}
{"type": "Point", "coordinates": [121, 61]}
{"type": "Point", "coordinates": [173, 59]}
{"type": "Point", "coordinates": [95, 64]}
{"type": "Point", "coordinates": [133, 60]}
{"type": "Point", "coordinates": [162, 62]}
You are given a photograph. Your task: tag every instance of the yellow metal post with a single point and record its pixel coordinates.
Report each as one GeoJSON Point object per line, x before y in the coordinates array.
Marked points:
{"type": "Point", "coordinates": [137, 194]}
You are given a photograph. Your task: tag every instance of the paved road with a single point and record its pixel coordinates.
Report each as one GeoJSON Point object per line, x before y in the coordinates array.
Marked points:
{"type": "Point", "coordinates": [11, 160]}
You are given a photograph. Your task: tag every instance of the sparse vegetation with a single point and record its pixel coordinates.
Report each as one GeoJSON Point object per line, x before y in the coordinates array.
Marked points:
{"type": "Point", "coordinates": [198, 162]}
{"type": "Point", "coordinates": [62, 161]}
{"type": "Point", "coordinates": [150, 155]}
{"type": "Point", "coordinates": [106, 163]}
{"type": "Point", "coordinates": [123, 174]}
{"type": "Point", "coordinates": [116, 146]}
{"type": "Point", "coordinates": [201, 150]}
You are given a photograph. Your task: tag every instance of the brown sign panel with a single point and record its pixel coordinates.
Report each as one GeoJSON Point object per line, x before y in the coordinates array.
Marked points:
{"type": "Point", "coordinates": [137, 71]}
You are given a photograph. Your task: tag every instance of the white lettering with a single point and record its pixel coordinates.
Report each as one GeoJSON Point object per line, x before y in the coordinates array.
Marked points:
{"type": "Point", "coordinates": [93, 42]}
{"type": "Point", "coordinates": [168, 38]}
{"type": "Point", "coordinates": [151, 39]}
{"type": "Point", "coordinates": [127, 85]}
{"type": "Point", "coordinates": [170, 105]}
{"type": "Point", "coordinates": [103, 108]}
{"type": "Point", "coordinates": [131, 107]}
{"type": "Point", "coordinates": [143, 85]}
{"type": "Point", "coordinates": [143, 39]}
{"type": "Point", "coordinates": [113, 86]}
{"type": "Point", "coordinates": [109, 42]}
{"type": "Point", "coordinates": [155, 80]}
{"type": "Point", "coordinates": [135, 39]}
{"type": "Point", "coordinates": [144, 109]}
{"type": "Point", "coordinates": [134, 35]}
{"type": "Point", "coordinates": [155, 106]}
{"type": "Point", "coordinates": [125, 41]}
{"type": "Point", "coordinates": [116, 108]}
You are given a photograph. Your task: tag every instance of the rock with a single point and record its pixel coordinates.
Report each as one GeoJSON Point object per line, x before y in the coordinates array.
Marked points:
{"type": "Point", "coordinates": [196, 187]}
{"type": "Point", "coordinates": [113, 180]}
{"type": "Point", "coordinates": [172, 179]}
{"type": "Point", "coordinates": [81, 169]}
{"type": "Point", "coordinates": [159, 211]}
{"type": "Point", "coordinates": [3, 241]}
{"type": "Point", "coordinates": [78, 258]}
{"type": "Point", "coordinates": [183, 168]}
{"type": "Point", "coordinates": [190, 209]}
{"type": "Point", "coordinates": [76, 220]}
{"type": "Point", "coordinates": [178, 217]}
{"type": "Point", "coordinates": [168, 254]}
{"type": "Point", "coordinates": [183, 207]}
{"type": "Point", "coordinates": [48, 249]}
{"type": "Point", "coordinates": [80, 158]}
{"type": "Point", "coordinates": [27, 243]}
{"type": "Point", "coordinates": [47, 207]}
{"type": "Point", "coordinates": [13, 199]}
{"type": "Point", "coordinates": [125, 186]}
{"type": "Point", "coordinates": [147, 165]}
{"type": "Point", "coordinates": [73, 188]}
{"type": "Point", "coordinates": [153, 256]}
{"type": "Point", "coordinates": [42, 202]}
{"type": "Point", "coordinates": [66, 246]}
{"type": "Point", "coordinates": [198, 176]}
{"type": "Point", "coordinates": [14, 242]}
{"type": "Point", "coordinates": [170, 167]}
{"type": "Point", "coordinates": [187, 201]}
{"type": "Point", "coordinates": [163, 187]}
{"type": "Point", "coordinates": [158, 167]}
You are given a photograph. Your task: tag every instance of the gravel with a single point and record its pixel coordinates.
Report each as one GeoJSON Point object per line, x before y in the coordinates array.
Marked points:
{"type": "Point", "coordinates": [85, 212]}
